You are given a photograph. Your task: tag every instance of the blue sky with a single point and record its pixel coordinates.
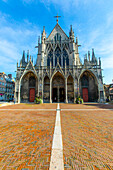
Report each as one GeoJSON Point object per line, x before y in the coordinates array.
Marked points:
{"type": "Point", "coordinates": [22, 21]}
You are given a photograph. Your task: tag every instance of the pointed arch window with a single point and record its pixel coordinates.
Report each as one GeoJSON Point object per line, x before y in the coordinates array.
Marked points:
{"type": "Point", "coordinates": [65, 57]}
{"type": "Point", "coordinates": [32, 81]}
{"type": "Point", "coordinates": [57, 56]}
{"type": "Point", "coordinates": [84, 81]}
{"type": "Point", "coordinates": [50, 58]}
{"type": "Point", "coordinates": [57, 37]}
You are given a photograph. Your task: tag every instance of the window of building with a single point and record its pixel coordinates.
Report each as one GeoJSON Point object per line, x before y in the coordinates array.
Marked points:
{"type": "Point", "coordinates": [57, 37]}
{"type": "Point", "coordinates": [57, 56]}
{"type": "Point", "coordinates": [65, 58]}
{"type": "Point", "coordinates": [84, 81]}
{"type": "Point", "coordinates": [50, 58]}
{"type": "Point", "coordinates": [111, 91]}
{"type": "Point", "coordinates": [32, 81]}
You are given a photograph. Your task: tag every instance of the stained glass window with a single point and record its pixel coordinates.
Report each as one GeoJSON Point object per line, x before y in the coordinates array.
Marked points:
{"type": "Point", "coordinates": [57, 56]}
{"type": "Point", "coordinates": [65, 57]}
{"type": "Point", "coordinates": [57, 37]}
{"type": "Point", "coordinates": [32, 81]}
{"type": "Point", "coordinates": [50, 58]}
{"type": "Point", "coordinates": [85, 81]}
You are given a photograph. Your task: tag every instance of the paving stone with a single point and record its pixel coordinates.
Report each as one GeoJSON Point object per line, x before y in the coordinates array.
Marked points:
{"type": "Point", "coordinates": [87, 131]}
{"type": "Point", "coordinates": [26, 138]}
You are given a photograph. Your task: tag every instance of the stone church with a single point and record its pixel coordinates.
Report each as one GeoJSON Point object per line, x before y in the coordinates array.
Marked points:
{"type": "Point", "coordinates": [58, 74]}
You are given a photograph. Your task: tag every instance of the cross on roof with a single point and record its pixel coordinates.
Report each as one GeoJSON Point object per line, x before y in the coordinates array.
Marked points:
{"type": "Point", "coordinates": [57, 18]}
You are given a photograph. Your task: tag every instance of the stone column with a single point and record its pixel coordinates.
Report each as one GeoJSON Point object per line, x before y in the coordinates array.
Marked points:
{"type": "Point", "coordinates": [61, 57]}
{"type": "Point", "coordinates": [19, 93]}
{"type": "Point", "coordinates": [42, 89]}
{"type": "Point", "coordinates": [14, 93]}
{"type": "Point", "coordinates": [74, 88]}
{"type": "Point", "coordinates": [53, 58]}
{"type": "Point", "coordinates": [38, 86]}
{"type": "Point", "coordinates": [66, 90]}
{"type": "Point", "coordinates": [50, 90]}
{"type": "Point", "coordinates": [78, 87]}
{"type": "Point", "coordinates": [99, 93]}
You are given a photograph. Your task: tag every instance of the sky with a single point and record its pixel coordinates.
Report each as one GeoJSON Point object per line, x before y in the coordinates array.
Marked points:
{"type": "Point", "coordinates": [22, 21]}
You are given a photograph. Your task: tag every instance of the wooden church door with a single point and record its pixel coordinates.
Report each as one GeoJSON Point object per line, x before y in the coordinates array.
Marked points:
{"type": "Point", "coordinates": [32, 94]}
{"type": "Point", "coordinates": [85, 94]}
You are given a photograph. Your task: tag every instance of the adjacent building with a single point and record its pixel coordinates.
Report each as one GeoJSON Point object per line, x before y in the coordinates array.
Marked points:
{"type": "Point", "coordinates": [108, 89]}
{"type": "Point", "coordinates": [58, 74]}
{"type": "Point", "coordinates": [7, 86]}
{"type": "Point", "coordinates": [2, 86]}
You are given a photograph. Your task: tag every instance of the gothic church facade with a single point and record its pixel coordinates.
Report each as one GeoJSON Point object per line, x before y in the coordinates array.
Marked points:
{"type": "Point", "coordinates": [59, 75]}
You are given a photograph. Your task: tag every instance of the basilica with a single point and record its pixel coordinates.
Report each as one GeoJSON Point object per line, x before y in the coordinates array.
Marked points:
{"type": "Point", "coordinates": [58, 74]}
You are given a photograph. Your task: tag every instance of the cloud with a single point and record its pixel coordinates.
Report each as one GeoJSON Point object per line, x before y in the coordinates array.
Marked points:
{"type": "Point", "coordinates": [28, 1]}
{"type": "Point", "coordinates": [98, 37]}
{"type": "Point", "coordinates": [4, 0]}
{"type": "Point", "coordinates": [14, 38]}
{"type": "Point", "coordinates": [107, 62]}
{"type": "Point", "coordinates": [68, 5]}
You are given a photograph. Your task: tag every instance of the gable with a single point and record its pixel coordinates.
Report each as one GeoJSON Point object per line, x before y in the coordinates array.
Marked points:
{"type": "Point", "coordinates": [57, 29]}
{"type": "Point", "coordinates": [29, 66]}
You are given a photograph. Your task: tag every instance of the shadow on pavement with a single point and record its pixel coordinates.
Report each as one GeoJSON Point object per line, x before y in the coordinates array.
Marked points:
{"type": "Point", "coordinates": [100, 105]}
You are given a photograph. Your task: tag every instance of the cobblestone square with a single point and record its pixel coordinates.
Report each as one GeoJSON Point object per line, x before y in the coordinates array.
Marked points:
{"type": "Point", "coordinates": [26, 137]}
{"type": "Point", "coordinates": [87, 137]}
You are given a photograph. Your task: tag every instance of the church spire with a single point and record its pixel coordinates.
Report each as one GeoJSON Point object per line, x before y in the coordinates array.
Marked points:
{"type": "Point", "coordinates": [43, 35]}
{"type": "Point", "coordinates": [94, 60]}
{"type": "Point", "coordinates": [71, 34]}
{"type": "Point", "coordinates": [38, 39]}
{"type": "Point", "coordinates": [89, 55]}
{"type": "Point", "coordinates": [93, 55]}
{"type": "Point", "coordinates": [71, 30]}
{"type": "Point", "coordinates": [23, 57]}
{"type": "Point", "coordinates": [27, 56]}
{"type": "Point", "coordinates": [44, 30]}
{"type": "Point", "coordinates": [76, 40]}
{"type": "Point", "coordinates": [17, 63]}
{"type": "Point", "coordinates": [99, 61]}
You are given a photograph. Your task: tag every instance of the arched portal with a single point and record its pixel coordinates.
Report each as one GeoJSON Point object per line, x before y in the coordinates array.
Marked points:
{"type": "Point", "coordinates": [58, 88]}
{"type": "Point", "coordinates": [29, 87]}
{"type": "Point", "coordinates": [46, 89]}
{"type": "Point", "coordinates": [88, 87]}
{"type": "Point", "coordinates": [70, 89]}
